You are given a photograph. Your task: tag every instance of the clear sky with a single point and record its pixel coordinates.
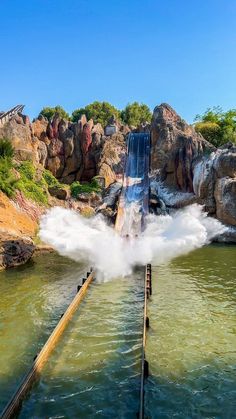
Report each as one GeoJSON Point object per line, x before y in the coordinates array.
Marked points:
{"type": "Point", "coordinates": [72, 52]}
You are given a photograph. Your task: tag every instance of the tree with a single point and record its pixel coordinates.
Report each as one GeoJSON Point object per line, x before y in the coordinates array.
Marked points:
{"type": "Point", "coordinates": [136, 114]}
{"type": "Point", "coordinates": [100, 112]}
{"type": "Point", "coordinates": [216, 126]}
{"type": "Point", "coordinates": [50, 112]}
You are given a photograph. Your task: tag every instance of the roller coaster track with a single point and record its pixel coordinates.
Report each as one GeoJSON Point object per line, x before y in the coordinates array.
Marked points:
{"type": "Point", "coordinates": [6, 116]}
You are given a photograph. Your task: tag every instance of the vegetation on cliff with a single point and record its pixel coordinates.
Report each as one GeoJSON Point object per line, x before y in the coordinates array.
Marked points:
{"type": "Point", "coordinates": [100, 112]}
{"type": "Point", "coordinates": [78, 188]}
{"type": "Point", "coordinates": [8, 179]}
{"type": "Point", "coordinates": [134, 113]}
{"type": "Point", "coordinates": [6, 149]}
{"type": "Point", "coordinates": [216, 126]}
{"type": "Point", "coordinates": [48, 112]}
{"type": "Point", "coordinates": [33, 185]}
{"type": "Point", "coordinates": [24, 176]}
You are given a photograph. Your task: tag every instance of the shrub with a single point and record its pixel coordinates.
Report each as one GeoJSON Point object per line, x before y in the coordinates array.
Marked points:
{"type": "Point", "coordinates": [27, 169]}
{"type": "Point", "coordinates": [78, 188]}
{"type": "Point", "coordinates": [7, 179]}
{"type": "Point", "coordinates": [6, 148]}
{"type": "Point", "coordinates": [32, 188]}
{"type": "Point", "coordinates": [210, 131]}
{"type": "Point", "coordinates": [50, 179]}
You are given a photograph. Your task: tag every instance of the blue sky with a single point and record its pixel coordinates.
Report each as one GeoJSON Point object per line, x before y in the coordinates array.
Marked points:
{"type": "Point", "coordinates": [72, 52]}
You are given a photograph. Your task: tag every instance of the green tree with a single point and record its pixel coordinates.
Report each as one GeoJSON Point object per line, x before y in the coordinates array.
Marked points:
{"type": "Point", "coordinates": [49, 112]}
{"type": "Point", "coordinates": [136, 114]}
{"type": "Point", "coordinates": [211, 115]}
{"type": "Point", "coordinates": [100, 112]}
{"type": "Point", "coordinates": [216, 126]}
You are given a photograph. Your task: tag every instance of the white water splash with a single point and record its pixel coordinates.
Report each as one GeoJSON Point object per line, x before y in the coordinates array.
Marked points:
{"type": "Point", "coordinates": [92, 240]}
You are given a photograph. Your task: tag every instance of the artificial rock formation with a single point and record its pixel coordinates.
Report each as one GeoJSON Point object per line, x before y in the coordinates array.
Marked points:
{"type": "Point", "coordinates": [189, 169]}
{"type": "Point", "coordinates": [112, 159]}
{"type": "Point", "coordinates": [185, 168]}
{"type": "Point", "coordinates": [175, 145]}
{"type": "Point", "coordinates": [17, 227]}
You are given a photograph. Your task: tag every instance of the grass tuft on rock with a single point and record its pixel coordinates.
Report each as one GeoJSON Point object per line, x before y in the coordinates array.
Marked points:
{"type": "Point", "coordinates": [50, 179]}
{"type": "Point", "coordinates": [78, 188]}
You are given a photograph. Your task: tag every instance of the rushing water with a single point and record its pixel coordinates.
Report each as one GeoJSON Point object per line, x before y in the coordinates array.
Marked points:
{"type": "Point", "coordinates": [94, 371]}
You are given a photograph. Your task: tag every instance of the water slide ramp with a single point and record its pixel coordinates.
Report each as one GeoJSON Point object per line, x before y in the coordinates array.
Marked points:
{"type": "Point", "coordinates": [133, 204]}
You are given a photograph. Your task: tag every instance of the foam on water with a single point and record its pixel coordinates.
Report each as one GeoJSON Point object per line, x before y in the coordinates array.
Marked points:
{"type": "Point", "coordinates": [92, 240]}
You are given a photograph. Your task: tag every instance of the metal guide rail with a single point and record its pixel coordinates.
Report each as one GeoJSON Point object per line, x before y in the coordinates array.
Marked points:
{"type": "Point", "coordinates": [144, 363]}
{"type": "Point", "coordinates": [14, 405]}
{"type": "Point", "coordinates": [6, 116]}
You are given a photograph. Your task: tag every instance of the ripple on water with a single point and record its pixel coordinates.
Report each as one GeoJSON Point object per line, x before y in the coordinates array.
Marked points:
{"type": "Point", "coordinates": [191, 346]}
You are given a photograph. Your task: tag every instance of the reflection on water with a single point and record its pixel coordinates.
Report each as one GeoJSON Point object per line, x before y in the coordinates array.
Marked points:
{"type": "Point", "coordinates": [191, 345]}
{"type": "Point", "coordinates": [32, 299]}
{"type": "Point", "coordinates": [94, 371]}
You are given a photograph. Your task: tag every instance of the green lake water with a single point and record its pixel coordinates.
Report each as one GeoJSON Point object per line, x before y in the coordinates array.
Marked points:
{"type": "Point", "coordinates": [95, 369]}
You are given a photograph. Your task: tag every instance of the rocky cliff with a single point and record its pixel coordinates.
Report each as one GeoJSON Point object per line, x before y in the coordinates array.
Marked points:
{"type": "Point", "coordinates": [185, 168]}
{"type": "Point", "coordinates": [71, 151]}
{"type": "Point", "coordinates": [18, 225]}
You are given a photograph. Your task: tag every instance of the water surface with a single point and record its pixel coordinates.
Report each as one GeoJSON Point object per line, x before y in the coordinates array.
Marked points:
{"type": "Point", "coordinates": [94, 371]}
{"type": "Point", "coordinates": [191, 346]}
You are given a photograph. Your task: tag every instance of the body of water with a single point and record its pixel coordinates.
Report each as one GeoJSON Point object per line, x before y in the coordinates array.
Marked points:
{"type": "Point", "coordinates": [95, 369]}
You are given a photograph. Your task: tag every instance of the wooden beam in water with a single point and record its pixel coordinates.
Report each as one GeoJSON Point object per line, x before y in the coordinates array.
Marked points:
{"type": "Point", "coordinates": [144, 363]}
{"type": "Point", "coordinates": [14, 405]}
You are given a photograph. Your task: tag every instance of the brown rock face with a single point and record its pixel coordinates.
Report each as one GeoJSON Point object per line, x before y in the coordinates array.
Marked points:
{"type": "Point", "coordinates": [225, 163]}
{"type": "Point", "coordinates": [225, 196]}
{"type": "Point", "coordinates": [14, 251]}
{"type": "Point", "coordinates": [88, 170]}
{"type": "Point", "coordinates": [175, 145]}
{"type": "Point", "coordinates": [17, 217]}
{"type": "Point", "coordinates": [112, 160]}
{"type": "Point", "coordinates": [20, 135]}
{"type": "Point", "coordinates": [18, 223]}
{"type": "Point", "coordinates": [39, 128]}
{"type": "Point", "coordinates": [59, 192]}
{"type": "Point", "coordinates": [215, 184]}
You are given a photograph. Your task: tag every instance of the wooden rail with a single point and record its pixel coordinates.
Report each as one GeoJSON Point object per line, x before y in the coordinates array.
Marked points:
{"type": "Point", "coordinates": [6, 116]}
{"type": "Point", "coordinates": [15, 403]}
{"type": "Point", "coordinates": [144, 363]}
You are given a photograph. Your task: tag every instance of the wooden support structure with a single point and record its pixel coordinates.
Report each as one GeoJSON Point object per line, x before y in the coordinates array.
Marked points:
{"type": "Point", "coordinates": [144, 362]}
{"type": "Point", "coordinates": [15, 403]}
